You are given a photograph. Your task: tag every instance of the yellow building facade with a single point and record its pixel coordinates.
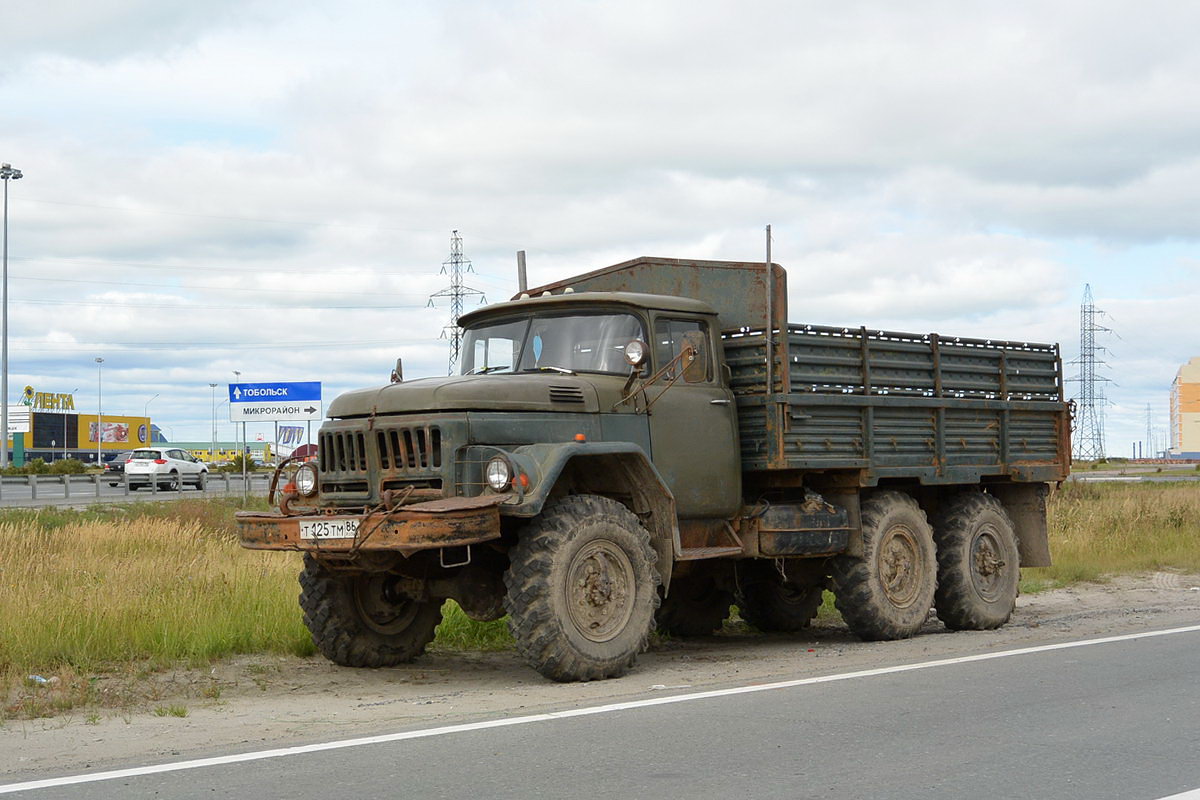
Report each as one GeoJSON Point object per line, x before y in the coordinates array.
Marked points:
{"type": "Point", "coordinates": [1185, 411]}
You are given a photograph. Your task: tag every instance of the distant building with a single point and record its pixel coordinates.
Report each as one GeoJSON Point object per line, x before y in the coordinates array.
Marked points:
{"type": "Point", "coordinates": [1185, 411]}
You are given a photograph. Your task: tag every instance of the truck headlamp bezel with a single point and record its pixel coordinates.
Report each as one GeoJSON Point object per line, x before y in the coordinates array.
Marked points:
{"type": "Point", "coordinates": [498, 474]}
{"type": "Point", "coordinates": [306, 480]}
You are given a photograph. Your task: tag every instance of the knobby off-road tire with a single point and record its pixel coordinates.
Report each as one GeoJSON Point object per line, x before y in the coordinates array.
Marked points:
{"type": "Point", "coordinates": [979, 565]}
{"type": "Point", "coordinates": [582, 589]}
{"type": "Point", "coordinates": [888, 591]}
{"type": "Point", "coordinates": [357, 620]}
{"type": "Point", "coordinates": [694, 606]}
{"type": "Point", "coordinates": [772, 604]}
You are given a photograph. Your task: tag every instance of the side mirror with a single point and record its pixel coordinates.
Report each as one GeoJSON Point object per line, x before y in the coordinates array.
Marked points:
{"type": "Point", "coordinates": [398, 372]}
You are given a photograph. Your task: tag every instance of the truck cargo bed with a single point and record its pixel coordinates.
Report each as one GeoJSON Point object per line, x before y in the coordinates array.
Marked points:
{"type": "Point", "coordinates": [939, 409]}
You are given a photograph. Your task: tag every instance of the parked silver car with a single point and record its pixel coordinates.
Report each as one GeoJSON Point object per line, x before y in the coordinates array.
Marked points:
{"type": "Point", "coordinates": [169, 468]}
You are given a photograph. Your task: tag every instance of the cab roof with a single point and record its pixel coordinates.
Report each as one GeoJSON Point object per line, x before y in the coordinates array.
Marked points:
{"type": "Point", "coordinates": [569, 300]}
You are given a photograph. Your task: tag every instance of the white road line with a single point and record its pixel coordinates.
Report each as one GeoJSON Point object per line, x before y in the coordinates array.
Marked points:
{"type": "Point", "coordinates": [1194, 794]}
{"type": "Point", "coordinates": [448, 730]}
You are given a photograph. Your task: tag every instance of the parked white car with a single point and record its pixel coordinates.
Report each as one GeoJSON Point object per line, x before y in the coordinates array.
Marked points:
{"type": "Point", "coordinates": [169, 468]}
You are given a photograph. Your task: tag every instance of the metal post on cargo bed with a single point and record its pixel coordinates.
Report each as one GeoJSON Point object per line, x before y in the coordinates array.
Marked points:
{"type": "Point", "coordinates": [522, 280]}
{"type": "Point", "coordinates": [770, 320]}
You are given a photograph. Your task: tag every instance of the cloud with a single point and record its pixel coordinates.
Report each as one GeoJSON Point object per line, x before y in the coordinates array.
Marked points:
{"type": "Point", "coordinates": [289, 172]}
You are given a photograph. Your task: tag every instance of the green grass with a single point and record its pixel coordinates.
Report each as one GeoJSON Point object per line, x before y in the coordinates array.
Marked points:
{"type": "Point", "coordinates": [459, 632]}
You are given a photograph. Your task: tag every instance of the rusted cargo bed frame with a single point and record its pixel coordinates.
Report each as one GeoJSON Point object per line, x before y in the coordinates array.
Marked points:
{"type": "Point", "coordinates": [900, 405]}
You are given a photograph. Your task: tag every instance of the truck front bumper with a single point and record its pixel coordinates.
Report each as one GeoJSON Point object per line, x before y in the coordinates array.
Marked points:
{"type": "Point", "coordinates": [450, 522]}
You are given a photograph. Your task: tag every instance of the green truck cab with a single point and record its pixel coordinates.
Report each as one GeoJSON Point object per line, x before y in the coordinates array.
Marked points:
{"type": "Point", "coordinates": [648, 443]}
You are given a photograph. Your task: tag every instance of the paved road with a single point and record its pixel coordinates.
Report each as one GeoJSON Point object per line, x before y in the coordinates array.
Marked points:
{"type": "Point", "coordinates": [1115, 719]}
{"type": "Point", "coordinates": [50, 490]}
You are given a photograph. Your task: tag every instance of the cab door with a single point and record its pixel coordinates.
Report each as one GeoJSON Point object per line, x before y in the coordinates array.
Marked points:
{"type": "Point", "coordinates": [693, 427]}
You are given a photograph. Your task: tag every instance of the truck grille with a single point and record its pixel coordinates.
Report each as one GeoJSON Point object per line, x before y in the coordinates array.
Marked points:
{"type": "Point", "coordinates": [408, 449]}
{"type": "Point", "coordinates": [342, 451]}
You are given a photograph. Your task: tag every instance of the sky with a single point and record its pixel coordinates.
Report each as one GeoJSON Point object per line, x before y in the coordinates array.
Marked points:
{"type": "Point", "coordinates": [270, 187]}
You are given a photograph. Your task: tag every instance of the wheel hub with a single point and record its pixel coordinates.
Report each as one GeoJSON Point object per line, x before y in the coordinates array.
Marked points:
{"type": "Point", "coordinates": [600, 590]}
{"type": "Point", "coordinates": [987, 568]}
{"type": "Point", "coordinates": [381, 606]}
{"type": "Point", "coordinates": [899, 557]}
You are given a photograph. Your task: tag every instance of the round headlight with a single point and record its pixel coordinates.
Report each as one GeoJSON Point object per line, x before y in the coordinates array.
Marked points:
{"type": "Point", "coordinates": [498, 474]}
{"type": "Point", "coordinates": [635, 352]}
{"type": "Point", "coordinates": [306, 480]}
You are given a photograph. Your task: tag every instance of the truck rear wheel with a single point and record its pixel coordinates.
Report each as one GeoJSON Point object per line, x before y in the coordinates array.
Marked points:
{"type": "Point", "coordinates": [361, 620]}
{"type": "Point", "coordinates": [695, 606]}
{"type": "Point", "coordinates": [887, 592]}
{"type": "Point", "coordinates": [772, 604]}
{"type": "Point", "coordinates": [978, 563]}
{"type": "Point", "coordinates": [582, 589]}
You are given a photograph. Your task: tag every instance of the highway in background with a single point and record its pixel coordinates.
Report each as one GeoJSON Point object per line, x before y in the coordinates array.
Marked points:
{"type": "Point", "coordinates": [20, 491]}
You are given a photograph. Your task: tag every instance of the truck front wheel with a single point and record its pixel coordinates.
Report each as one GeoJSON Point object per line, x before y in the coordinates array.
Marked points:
{"type": "Point", "coordinates": [581, 589]}
{"type": "Point", "coordinates": [978, 563]}
{"type": "Point", "coordinates": [887, 592]}
{"type": "Point", "coordinates": [362, 620]}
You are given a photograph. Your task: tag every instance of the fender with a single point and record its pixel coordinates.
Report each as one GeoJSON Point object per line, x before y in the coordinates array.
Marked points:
{"type": "Point", "coordinates": [615, 469]}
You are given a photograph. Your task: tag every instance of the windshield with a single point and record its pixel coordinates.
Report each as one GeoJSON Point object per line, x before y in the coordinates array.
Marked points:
{"type": "Point", "coordinates": [575, 343]}
{"type": "Point", "coordinates": [144, 454]}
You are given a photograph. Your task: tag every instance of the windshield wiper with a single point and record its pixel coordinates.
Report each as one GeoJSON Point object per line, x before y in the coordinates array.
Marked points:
{"type": "Point", "coordinates": [486, 370]}
{"type": "Point", "coordinates": [550, 368]}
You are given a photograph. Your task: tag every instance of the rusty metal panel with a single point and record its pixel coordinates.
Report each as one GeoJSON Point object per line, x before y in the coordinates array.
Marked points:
{"type": "Point", "coordinates": [815, 528]}
{"type": "Point", "coordinates": [737, 290]}
{"type": "Point", "coordinates": [437, 525]}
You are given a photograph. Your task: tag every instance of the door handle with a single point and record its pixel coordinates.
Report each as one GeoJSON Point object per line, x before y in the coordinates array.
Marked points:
{"type": "Point", "coordinates": [719, 402]}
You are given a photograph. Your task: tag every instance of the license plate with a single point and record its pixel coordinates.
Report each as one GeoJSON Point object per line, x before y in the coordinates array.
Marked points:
{"type": "Point", "coordinates": [316, 529]}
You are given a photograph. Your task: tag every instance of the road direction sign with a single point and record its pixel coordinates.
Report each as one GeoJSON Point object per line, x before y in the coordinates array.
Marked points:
{"type": "Point", "coordinates": [264, 402]}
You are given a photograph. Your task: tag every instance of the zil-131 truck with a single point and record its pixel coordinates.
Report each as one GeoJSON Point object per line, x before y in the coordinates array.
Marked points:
{"type": "Point", "coordinates": [649, 443]}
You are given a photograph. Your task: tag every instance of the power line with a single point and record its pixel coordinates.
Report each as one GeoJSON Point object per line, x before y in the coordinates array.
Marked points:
{"type": "Point", "coordinates": [226, 217]}
{"type": "Point", "coordinates": [134, 347]}
{"type": "Point", "coordinates": [455, 265]}
{"type": "Point", "coordinates": [241, 269]}
{"type": "Point", "coordinates": [238, 289]}
{"type": "Point", "coordinates": [211, 307]}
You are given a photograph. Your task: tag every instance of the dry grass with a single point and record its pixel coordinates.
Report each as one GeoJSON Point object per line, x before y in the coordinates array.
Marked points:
{"type": "Point", "coordinates": [81, 596]}
{"type": "Point", "coordinates": [1103, 529]}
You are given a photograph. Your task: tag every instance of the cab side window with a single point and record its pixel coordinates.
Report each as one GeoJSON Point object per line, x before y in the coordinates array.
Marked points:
{"type": "Point", "coordinates": [669, 337]}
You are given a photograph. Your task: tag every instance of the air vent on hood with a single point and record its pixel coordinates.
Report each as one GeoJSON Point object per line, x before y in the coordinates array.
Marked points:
{"type": "Point", "coordinates": [566, 394]}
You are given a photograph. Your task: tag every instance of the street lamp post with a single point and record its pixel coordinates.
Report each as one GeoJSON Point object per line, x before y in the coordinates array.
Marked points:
{"type": "Point", "coordinates": [212, 453]}
{"type": "Point", "coordinates": [146, 410]}
{"type": "Point", "coordinates": [99, 406]}
{"type": "Point", "coordinates": [7, 173]}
